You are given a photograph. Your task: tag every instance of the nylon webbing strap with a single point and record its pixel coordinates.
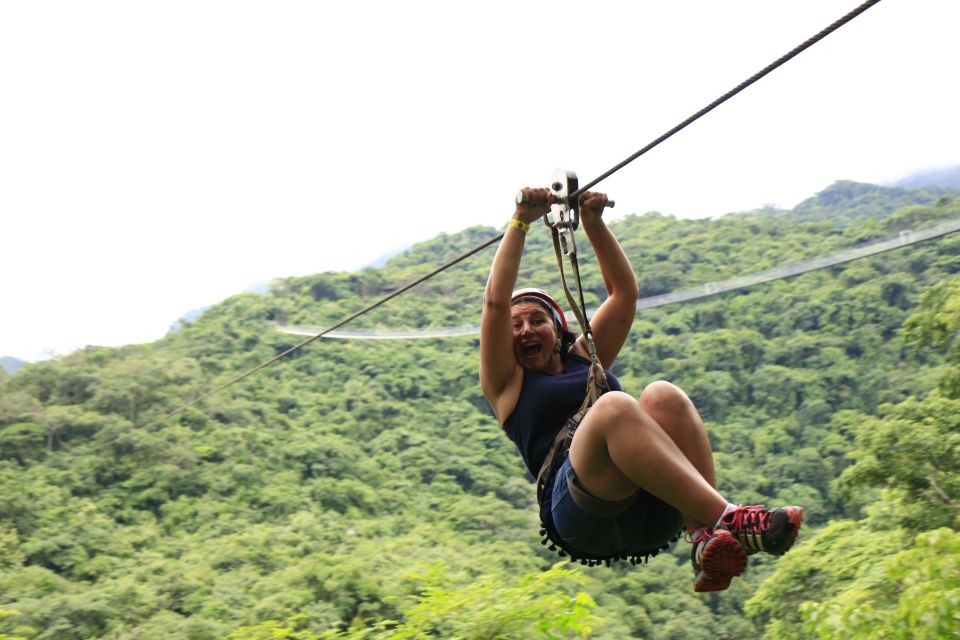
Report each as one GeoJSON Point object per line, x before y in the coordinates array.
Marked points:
{"type": "Point", "coordinates": [596, 378]}
{"type": "Point", "coordinates": [578, 309]}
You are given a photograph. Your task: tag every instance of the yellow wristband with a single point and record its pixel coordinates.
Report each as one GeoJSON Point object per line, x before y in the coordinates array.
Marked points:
{"type": "Point", "coordinates": [519, 224]}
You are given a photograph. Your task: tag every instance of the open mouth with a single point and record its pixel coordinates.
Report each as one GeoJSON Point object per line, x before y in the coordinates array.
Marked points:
{"type": "Point", "coordinates": [530, 350]}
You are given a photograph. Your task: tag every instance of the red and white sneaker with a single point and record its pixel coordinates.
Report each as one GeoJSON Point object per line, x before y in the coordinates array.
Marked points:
{"type": "Point", "coordinates": [717, 558]}
{"type": "Point", "coordinates": [760, 529]}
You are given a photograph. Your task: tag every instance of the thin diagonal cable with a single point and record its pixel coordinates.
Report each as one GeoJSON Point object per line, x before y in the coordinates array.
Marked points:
{"type": "Point", "coordinates": [300, 345]}
{"type": "Point", "coordinates": [737, 89]}
{"type": "Point", "coordinates": [743, 85]}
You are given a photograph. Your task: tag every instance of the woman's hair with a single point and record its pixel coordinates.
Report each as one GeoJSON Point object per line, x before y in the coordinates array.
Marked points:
{"type": "Point", "coordinates": [566, 342]}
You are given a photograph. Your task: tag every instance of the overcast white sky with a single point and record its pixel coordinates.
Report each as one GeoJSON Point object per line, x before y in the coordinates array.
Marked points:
{"type": "Point", "coordinates": [158, 157]}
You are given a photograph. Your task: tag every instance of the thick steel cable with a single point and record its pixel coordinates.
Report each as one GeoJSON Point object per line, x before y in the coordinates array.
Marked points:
{"type": "Point", "coordinates": [743, 85]}
{"type": "Point", "coordinates": [737, 89]}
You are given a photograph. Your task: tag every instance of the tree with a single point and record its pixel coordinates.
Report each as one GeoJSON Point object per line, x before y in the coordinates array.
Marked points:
{"type": "Point", "coordinates": [915, 597]}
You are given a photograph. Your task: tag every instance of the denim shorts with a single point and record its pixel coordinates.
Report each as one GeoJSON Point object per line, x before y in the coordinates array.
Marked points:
{"type": "Point", "coordinates": [646, 525]}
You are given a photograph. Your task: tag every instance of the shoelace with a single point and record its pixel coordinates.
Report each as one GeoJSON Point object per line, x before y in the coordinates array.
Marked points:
{"type": "Point", "coordinates": [697, 535]}
{"type": "Point", "coordinates": [752, 519]}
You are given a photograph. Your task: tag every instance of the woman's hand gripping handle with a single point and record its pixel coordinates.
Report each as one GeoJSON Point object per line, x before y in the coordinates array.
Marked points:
{"type": "Point", "coordinates": [532, 204]}
{"type": "Point", "coordinates": [592, 205]}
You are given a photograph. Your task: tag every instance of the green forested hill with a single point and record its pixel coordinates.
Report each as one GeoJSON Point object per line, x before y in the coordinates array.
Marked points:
{"type": "Point", "coordinates": [363, 489]}
{"type": "Point", "coordinates": [852, 201]}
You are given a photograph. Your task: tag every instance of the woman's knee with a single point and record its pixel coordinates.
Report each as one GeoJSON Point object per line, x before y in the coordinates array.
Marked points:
{"type": "Point", "coordinates": [616, 405]}
{"type": "Point", "coordinates": [612, 411]}
{"type": "Point", "coordinates": [664, 398]}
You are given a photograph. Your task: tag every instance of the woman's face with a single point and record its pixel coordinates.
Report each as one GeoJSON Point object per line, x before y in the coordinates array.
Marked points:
{"type": "Point", "coordinates": [534, 337]}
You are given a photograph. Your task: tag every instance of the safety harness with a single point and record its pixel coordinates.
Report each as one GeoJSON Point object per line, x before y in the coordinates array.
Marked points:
{"type": "Point", "coordinates": [563, 219]}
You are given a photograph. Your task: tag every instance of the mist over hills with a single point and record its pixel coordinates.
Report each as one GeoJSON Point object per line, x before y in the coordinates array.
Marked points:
{"type": "Point", "coordinates": [11, 364]}
{"type": "Point", "coordinates": [946, 177]}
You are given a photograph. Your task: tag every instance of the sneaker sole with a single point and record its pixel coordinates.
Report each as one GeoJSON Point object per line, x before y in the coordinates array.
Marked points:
{"type": "Point", "coordinates": [703, 584]}
{"type": "Point", "coordinates": [723, 560]}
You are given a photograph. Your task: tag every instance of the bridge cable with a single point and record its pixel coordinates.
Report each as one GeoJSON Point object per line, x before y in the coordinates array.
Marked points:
{"type": "Point", "coordinates": [902, 239]}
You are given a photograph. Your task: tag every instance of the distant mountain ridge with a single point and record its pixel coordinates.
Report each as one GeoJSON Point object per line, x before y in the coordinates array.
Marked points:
{"type": "Point", "coordinates": [859, 200]}
{"type": "Point", "coordinates": [11, 364]}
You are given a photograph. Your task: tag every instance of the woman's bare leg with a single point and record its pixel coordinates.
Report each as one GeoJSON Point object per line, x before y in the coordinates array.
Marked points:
{"type": "Point", "coordinates": [673, 410]}
{"type": "Point", "coordinates": [618, 447]}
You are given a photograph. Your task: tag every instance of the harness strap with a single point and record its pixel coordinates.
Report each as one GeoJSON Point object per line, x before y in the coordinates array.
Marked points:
{"type": "Point", "coordinates": [596, 378]}
{"type": "Point", "coordinates": [561, 443]}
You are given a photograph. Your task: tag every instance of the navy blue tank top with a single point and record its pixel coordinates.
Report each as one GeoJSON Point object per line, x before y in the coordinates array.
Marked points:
{"type": "Point", "coordinates": [545, 404]}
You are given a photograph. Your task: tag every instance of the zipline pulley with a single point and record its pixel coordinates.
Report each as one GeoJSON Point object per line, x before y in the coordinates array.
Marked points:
{"type": "Point", "coordinates": [564, 215]}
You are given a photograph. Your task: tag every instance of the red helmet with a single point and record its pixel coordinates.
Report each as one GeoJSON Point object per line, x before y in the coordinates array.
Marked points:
{"type": "Point", "coordinates": [543, 298]}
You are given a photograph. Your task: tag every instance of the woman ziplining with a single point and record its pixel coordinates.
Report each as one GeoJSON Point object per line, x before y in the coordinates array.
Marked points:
{"type": "Point", "coordinates": [625, 479]}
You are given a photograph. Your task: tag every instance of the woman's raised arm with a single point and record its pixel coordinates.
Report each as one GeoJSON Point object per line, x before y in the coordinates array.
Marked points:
{"type": "Point", "coordinates": [612, 321]}
{"type": "Point", "coordinates": [498, 365]}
